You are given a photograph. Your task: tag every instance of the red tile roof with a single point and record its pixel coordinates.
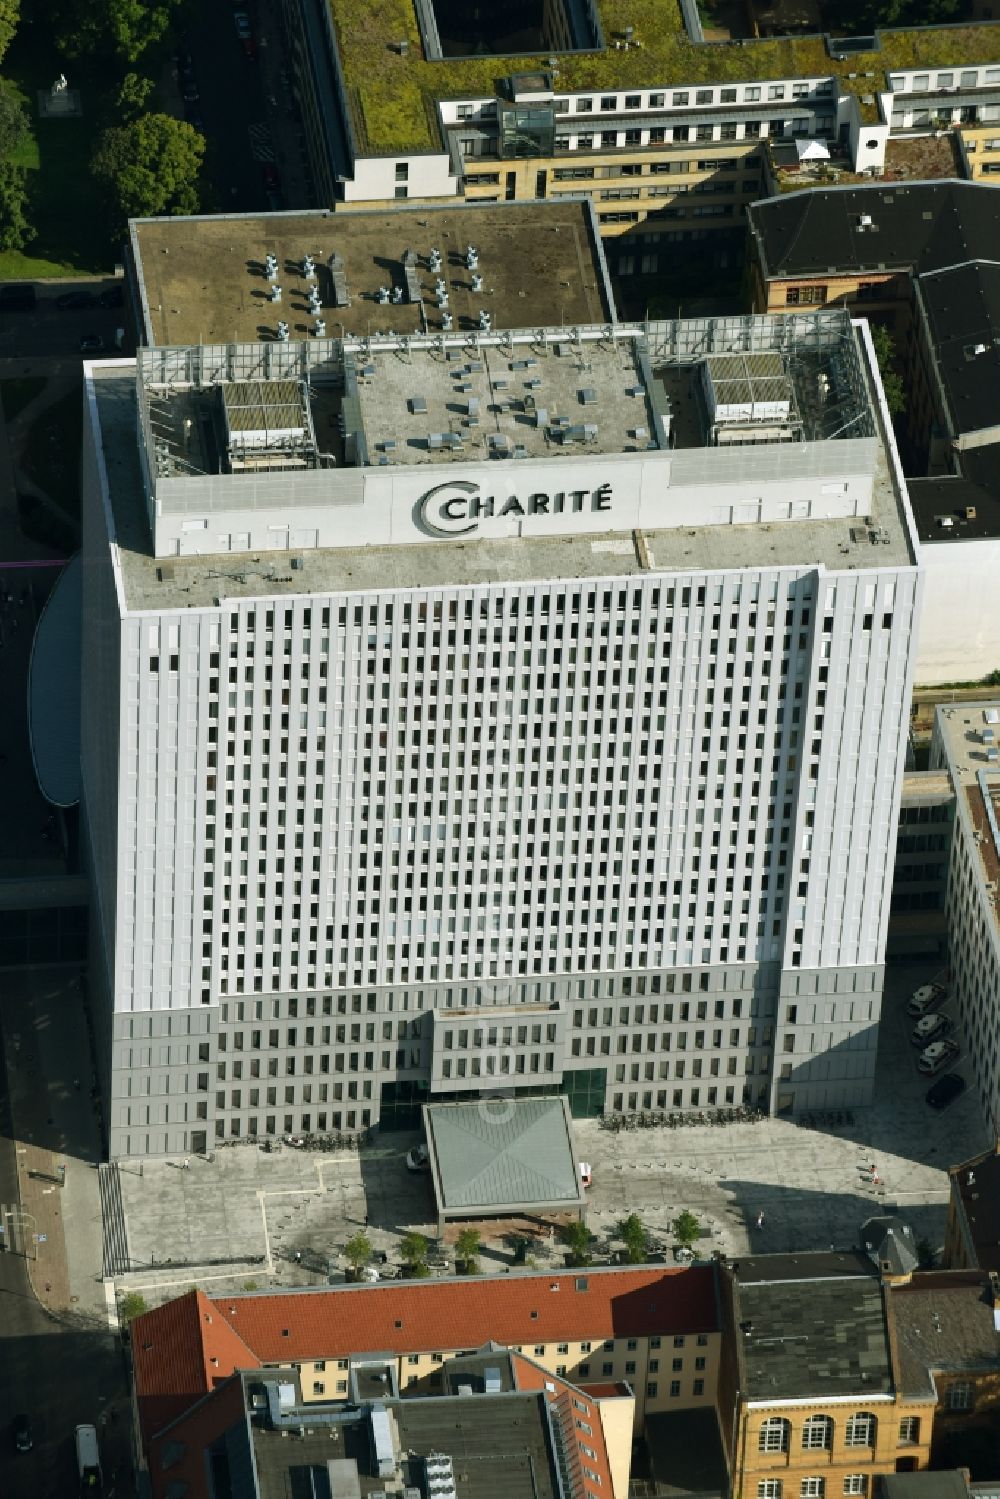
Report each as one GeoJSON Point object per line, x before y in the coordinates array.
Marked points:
{"type": "Point", "coordinates": [424, 1316]}
{"type": "Point", "coordinates": [181, 1351]}
{"type": "Point", "coordinates": [571, 1407]}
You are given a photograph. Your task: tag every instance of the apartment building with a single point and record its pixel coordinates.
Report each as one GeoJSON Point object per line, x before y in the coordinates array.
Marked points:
{"type": "Point", "coordinates": [497, 1425]}
{"type": "Point", "coordinates": [360, 613]}
{"type": "Point", "coordinates": [813, 1376]}
{"type": "Point", "coordinates": [972, 1238]}
{"type": "Point", "coordinates": [641, 1340]}
{"type": "Point", "coordinates": [840, 1369]}
{"type": "Point", "coordinates": [631, 107]}
{"type": "Point", "coordinates": [965, 746]}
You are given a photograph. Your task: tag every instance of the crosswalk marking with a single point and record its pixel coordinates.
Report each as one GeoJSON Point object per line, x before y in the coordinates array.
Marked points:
{"type": "Point", "coordinates": [261, 142]}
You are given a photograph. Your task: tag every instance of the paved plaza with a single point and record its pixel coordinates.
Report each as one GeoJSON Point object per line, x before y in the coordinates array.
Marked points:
{"type": "Point", "coordinates": [246, 1215]}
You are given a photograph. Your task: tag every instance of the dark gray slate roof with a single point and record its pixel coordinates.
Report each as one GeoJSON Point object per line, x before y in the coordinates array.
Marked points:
{"type": "Point", "coordinates": [890, 1245]}
{"type": "Point", "coordinates": [813, 1335]}
{"type": "Point", "coordinates": [920, 226]}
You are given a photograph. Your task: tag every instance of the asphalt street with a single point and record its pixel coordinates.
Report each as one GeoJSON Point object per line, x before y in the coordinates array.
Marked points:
{"type": "Point", "coordinates": [57, 1369]}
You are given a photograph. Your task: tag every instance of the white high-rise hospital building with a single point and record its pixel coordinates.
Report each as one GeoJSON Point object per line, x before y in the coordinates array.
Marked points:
{"type": "Point", "coordinates": [518, 710]}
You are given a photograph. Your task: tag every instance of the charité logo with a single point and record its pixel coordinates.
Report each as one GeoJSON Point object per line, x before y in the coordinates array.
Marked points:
{"type": "Point", "coordinates": [456, 508]}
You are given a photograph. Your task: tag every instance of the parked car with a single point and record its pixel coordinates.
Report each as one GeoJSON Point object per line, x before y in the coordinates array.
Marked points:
{"type": "Point", "coordinates": [925, 997]}
{"type": "Point", "coordinates": [418, 1159]}
{"type": "Point", "coordinates": [936, 1056]}
{"type": "Point", "coordinates": [929, 1026]}
{"type": "Point", "coordinates": [946, 1090]}
{"type": "Point", "coordinates": [22, 1434]}
{"type": "Point", "coordinates": [70, 300]}
{"type": "Point", "coordinates": [91, 343]}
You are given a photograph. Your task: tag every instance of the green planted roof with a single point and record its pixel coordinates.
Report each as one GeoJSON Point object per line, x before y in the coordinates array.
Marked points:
{"type": "Point", "coordinates": [392, 98]}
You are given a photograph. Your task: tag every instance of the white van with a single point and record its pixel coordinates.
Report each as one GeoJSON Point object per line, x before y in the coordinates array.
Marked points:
{"type": "Point", "coordinates": [88, 1459]}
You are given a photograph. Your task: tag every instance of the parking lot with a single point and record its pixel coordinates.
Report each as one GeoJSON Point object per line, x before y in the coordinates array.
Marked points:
{"type": "Point", "coordinates": [246, 1215]}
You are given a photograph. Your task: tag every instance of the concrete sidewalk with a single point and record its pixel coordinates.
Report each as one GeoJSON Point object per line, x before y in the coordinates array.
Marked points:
{"type": "Point", "coordinates": [56, 1139]}
{"type": "Point", "coordinates": [260, 1210]}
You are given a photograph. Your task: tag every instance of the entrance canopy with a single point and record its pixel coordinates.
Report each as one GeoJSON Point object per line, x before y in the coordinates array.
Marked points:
{"type": "Point", "coordinates": [500, 1157]}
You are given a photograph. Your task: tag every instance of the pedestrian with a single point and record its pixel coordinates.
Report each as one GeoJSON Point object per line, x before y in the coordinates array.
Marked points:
{"type": "Point", "coordinates": [366, 1217]}
{"type": "Point", "coordinates": [760, 1220]}
{"type": "Point", "coordinates": [187, 1164]}
{"type": "Point", "coordinates": [298, 1256]}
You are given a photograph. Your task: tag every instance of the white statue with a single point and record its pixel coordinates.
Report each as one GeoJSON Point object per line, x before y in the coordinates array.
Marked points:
{"type": "Point", "coordinates": [61, 85]}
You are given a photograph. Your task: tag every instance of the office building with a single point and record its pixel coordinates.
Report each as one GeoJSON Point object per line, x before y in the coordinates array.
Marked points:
{"type": "Point", "coordinates": [965, 746]}
{"type": "Point", "coordinates": [359, 616]}
{"type": "Point", "coordinates": [664, 132]}
{"type": "Point", "coordinates": [917, 259]}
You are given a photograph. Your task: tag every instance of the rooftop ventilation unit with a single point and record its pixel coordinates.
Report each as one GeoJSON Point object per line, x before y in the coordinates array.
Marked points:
{"type": "Point", "coordinates": [439, 1472]}
{"type": "Point", "coordinates": [341, 296]}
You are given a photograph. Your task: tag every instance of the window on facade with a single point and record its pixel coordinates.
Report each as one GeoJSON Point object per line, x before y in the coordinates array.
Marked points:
{"type": "Point", "coordinates": [817, 1433]}
{"type": "Point", "coordinates": [769, 1488]}
{"type": "Point", "coordinates": [856, 1483]}
{"type": "Point", "coordinates": [811, 1488]}
{"type": "Point", "coordinates": [909, 1429]}
{"type": "Point", "coordinates": [861, 1430]}
{"type": "Point", "coordinates": [960, 1396]}
{"type": "Point", "coordinates": [774, 1435]}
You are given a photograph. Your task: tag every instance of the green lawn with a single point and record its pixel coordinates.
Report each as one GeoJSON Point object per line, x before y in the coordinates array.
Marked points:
{"type": "Point", "coordinates": [70, 237]}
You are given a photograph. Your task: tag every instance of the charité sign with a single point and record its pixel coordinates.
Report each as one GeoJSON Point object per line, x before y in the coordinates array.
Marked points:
{"type": "Point", "coordinates": [456, 508]}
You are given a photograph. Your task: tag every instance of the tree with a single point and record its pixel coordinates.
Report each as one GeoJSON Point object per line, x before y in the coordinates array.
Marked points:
{"type": "Point", "coordinates": [414, 1248]}
{"type": "Point", "coordinates": [150, 167]}
{"type": "Point", "coordinates": [632, 1231]}
{"type": "Point", "coordinates": [9, 16]}
{"type": "Point", "coordinates": [132, 1304]}
{"type": "Point", "coordinates": [13, 122]}
{"type": "Point", "coordinates": [357, 1252]}
{"type": "Point", "coordinates": [467, 1249]}
{"type": "Point", "coordinates": [15, 230]}
{"type": "Point", "coordinates": [885, 354]}
{"type": "Point", "coordinates": [686, 1229]}
{"type": "Point", "coordinates": [576, 1237]}
{"type": "Point", "coordinates": [122, 29]}
{"type": "Point", "coordinates": [133, 95]}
